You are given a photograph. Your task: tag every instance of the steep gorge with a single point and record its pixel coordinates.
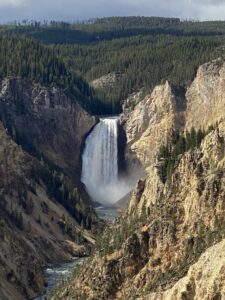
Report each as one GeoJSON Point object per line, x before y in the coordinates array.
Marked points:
{"type": "Point", "coordinates": [151, 250]}
{"type": "Point", "coordinates": [157, 248]}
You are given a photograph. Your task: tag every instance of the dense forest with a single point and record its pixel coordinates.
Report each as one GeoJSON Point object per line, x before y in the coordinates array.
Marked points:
{"type": "Point", "coordinates": [140, 62]}
{"type": "Point", "coordinates": [137, 52]}
{"type": "Point", "coordinates": [28, 59]}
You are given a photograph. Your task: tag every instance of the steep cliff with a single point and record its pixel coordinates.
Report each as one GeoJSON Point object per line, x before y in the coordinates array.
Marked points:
{"type": "Point", "coordinates": [45, 215]}
{"type": "Point", "coordinates": [168, 108]}
{"type": "Point", "coordinates": [152, 123]}
{"type": "Point", "coordinates": [34, 225]}
{"type": "Point", "coordinates": [206, 96]}
{"type": "Point", "coordinates": [205, 279]}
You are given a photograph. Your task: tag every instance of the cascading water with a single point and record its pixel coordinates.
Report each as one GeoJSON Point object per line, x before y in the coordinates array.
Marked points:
{"type": "Point", "coordinates": [100, 163]}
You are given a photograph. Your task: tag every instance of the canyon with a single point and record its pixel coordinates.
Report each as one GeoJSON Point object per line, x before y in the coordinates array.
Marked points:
{"type": "Point", "coordinates": [162, 245]}
{"type": "Point", "coordinates": [112, 135]}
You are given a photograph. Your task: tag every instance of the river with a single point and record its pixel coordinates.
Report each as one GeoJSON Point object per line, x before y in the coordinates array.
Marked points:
{"type": "Point", "coordinates": [58, 274]}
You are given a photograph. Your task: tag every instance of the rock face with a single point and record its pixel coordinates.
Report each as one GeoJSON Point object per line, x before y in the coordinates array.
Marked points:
{"type": "Point", "coordinates": [105, 81]}
{"type": "Point", "coordinates": [46, 120]}
{"type": "Point", "coordinates": [205, 279]}
{"type": "Point", "coordinates": [33, 224]}
{"type": "Point", "coordinates": [169, 244]}
{"type": "Point", "coordinates": [167, 109]}
{"type": "Point", "coordinates": [151, 123]}
{"type": "Point", "coordinates": [206, 96]}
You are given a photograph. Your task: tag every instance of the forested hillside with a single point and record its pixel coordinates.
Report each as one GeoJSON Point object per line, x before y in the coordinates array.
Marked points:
{"type": "Point", "coordinates": [27, 58]}
{"type": "Point", "coordinates": [136, 53]}
{"type": "Point", "coordinates": [140, 61]}
{"type": "Point", "coordinates": [96, 30]}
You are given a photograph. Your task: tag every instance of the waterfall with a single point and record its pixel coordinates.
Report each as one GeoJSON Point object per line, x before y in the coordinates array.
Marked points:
{"type": "Point", "coordinates": [100, 161]}
{"type": "Point", "coordinates": [100, 164]}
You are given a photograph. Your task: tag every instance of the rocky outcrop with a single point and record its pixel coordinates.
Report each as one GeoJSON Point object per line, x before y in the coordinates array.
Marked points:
{"type": "Point", "coordinates": [45, 121]}
{"type": "Point", "coordinates": [151, 124]}
{"type": "Point", "coordinates": [206, 96]}
{"type": "Point", "coordinates": [105, 81]}
{"type": "Point", "coordinates": [205, 279]}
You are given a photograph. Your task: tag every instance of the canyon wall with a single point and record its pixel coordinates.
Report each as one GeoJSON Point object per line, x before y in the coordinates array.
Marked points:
{"type": "Point", "coordinates": [168, 109]}
{"type": "Point", "coordinates": [45, 215]}
{"type": "Point", "coordinates": [46, 121]}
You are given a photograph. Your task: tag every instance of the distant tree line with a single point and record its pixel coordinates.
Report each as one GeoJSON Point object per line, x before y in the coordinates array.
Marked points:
{"type": "Point", "coordinates": [107, 29]}
{"type": "Point", "coordinates": [141, 51]}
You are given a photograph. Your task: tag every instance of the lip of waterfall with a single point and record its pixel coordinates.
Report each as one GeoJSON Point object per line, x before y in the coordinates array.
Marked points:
{"type": "Point", "coordinates": [100, 163]}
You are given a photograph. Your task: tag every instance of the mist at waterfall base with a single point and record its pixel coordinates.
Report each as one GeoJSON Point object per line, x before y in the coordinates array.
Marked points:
{"type": "Point", "coordinates": [100, 164]}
